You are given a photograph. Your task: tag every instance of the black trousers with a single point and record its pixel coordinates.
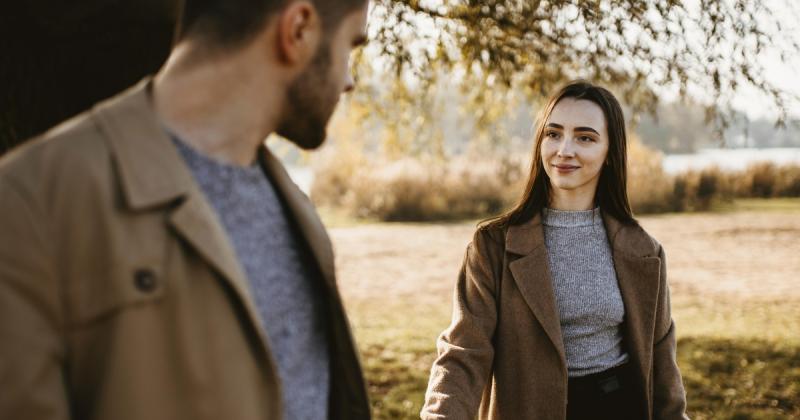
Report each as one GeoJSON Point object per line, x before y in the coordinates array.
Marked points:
{"type": "Point", "coordinates": [611, 394]}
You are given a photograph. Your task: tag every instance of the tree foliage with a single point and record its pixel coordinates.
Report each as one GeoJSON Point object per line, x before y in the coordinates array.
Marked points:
{"type": "Point", "coordinates": [61, 57]}
{"type": "Point", "coordinates": [701, 50]}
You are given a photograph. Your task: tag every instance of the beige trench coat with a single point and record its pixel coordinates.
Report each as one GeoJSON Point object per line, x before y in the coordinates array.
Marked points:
{"type": "Point", "coordinates": [503, 356]}
{"type": "Point", "coordinates": [120, 294]}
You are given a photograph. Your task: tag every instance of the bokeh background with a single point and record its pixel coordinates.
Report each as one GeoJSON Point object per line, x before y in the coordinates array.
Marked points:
{"type": "Point", "coordinates": [438, 136]}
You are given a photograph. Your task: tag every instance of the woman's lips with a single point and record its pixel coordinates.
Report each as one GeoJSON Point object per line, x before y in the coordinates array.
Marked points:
{"type": "Point", "coordinates": [565, 169]}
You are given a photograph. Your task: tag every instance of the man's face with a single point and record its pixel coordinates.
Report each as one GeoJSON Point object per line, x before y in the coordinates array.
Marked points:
{"type": "Point", "coordinates": [312, 97]}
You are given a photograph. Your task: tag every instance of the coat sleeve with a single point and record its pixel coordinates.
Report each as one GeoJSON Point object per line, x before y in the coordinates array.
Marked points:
{"type": "Point", "coordinates": [669, 396]}
{"type": "Point", "coordinates": [31, 350]}
{"type": "Point", "coordinates": [465, 349]}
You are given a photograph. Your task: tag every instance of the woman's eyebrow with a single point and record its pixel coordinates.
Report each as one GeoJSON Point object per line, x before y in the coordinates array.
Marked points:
{"type": "Point", "coordinates": [589, 129]}
{"type": "Point", "coordinates": [554, 125]}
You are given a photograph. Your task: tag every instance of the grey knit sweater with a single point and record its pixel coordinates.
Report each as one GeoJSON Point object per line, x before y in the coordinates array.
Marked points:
{"type": "Point", "coordinates": [278, 269]}
{"type": "Point", "coordinates": [586, 291]}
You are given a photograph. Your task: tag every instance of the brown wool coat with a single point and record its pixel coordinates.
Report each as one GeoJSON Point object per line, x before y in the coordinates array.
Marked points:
{"type": "Point", "coordinates": [503, 357]}
{"type": "Point", "coordinates": [120, 294]}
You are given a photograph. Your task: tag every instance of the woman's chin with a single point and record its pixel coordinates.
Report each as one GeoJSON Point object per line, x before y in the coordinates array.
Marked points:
{"type": "Point", "coordinates": [565, 185]}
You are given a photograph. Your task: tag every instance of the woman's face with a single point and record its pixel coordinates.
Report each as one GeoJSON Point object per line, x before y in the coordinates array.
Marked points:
{"type": "Point", "coordinates": [574, 146]}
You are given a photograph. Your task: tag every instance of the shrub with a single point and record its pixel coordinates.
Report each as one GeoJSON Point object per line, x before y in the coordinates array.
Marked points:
{"type": "Point", "coordinates": [469, 187]}
{"type": "Point", "coordinates": [649, 187]}
{"type": "Point", "coordinates": [700, 190]}
{"type": "Point", "coordinates": [788, 182]}
{"type": "Point", "coordinates": [759, 180]}
{"type": "Point", "coordinates": [417, 189]}
{"type": "Point", "coordinates": [767, 180]}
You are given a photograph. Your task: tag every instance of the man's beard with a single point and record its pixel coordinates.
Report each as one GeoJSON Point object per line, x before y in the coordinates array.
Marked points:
{"type": "Point", "coordinates": [309, 103]}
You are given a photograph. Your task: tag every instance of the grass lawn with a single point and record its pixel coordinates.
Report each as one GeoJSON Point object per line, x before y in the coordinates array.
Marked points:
{"type": "Point", "coordinates": [735, 375]}
{"type": "Point", "coordinates": [760, 204]}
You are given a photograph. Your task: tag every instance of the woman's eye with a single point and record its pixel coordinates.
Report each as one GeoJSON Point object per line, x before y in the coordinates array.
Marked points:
{"type": "Point", "coordinates": [552, 135]}
{"type": "Point", "coordinates": [585, 139]}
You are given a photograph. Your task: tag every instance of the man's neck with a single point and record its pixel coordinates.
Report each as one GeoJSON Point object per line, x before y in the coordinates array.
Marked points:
{"type": "Point", "coordinates": [223, 107]}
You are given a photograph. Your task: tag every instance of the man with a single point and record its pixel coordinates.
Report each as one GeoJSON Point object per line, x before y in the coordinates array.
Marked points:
{"type": "Point", "coordinates": [156, 260]}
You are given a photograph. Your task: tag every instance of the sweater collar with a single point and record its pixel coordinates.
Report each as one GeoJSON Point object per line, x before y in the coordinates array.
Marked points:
{"type": "Point", "coordinates": [570, 219]}
{"type": "Point", "coordinates": [630, 239]}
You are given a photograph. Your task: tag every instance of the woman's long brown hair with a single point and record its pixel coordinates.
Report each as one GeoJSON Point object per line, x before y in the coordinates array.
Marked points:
{"type": "Point", "coordinates": [611, 195]}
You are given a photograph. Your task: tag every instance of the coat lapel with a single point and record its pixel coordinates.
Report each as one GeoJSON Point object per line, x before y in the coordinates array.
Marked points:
{"type": "Point", "coordinates": [639, 296]}
{"type": "Point", "coordinates": [638, 269]}
{"type": "Point", "coordinates": [195, 221]}
{"type": "Point", "coordinates": [302, 211]}
{"type": "Point", "coordinates": [532, 276]}
{"type": "Point", "coordinates": [348, 386]}
{"type": "Point", "coordinates": [153, 175]}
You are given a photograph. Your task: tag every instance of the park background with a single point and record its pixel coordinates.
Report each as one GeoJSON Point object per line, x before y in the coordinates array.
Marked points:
{"type": "Point", "coordinates": [714, 175]}
{"type": "Point", "coordinates": [437, 136]}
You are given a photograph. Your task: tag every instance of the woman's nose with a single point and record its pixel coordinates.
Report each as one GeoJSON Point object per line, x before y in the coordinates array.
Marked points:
{"type": "Point", "coordinates": [566, 148]}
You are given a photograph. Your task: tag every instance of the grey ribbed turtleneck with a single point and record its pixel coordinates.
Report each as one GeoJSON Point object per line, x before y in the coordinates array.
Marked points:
{"type": "Point", "coordinates": [586, 291]}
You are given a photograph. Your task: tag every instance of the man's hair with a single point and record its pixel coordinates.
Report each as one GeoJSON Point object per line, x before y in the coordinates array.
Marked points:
{"type": "Point", "coordinates": [229, 23]}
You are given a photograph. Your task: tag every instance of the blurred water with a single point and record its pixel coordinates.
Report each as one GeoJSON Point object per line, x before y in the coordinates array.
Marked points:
{"type": "Point", "coordinates": [730, 159]}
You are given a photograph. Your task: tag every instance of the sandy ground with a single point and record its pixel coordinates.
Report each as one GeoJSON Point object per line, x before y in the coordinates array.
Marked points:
{"type": "Point", "coordinates": [730, 257]}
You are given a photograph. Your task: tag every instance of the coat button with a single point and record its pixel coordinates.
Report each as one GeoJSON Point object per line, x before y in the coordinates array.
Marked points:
{"type": "Point", "coordinates": [145, 280]}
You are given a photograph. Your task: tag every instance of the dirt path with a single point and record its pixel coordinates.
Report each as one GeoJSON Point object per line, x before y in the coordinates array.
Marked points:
{"type": "Point", "coordinates": [752, 256]}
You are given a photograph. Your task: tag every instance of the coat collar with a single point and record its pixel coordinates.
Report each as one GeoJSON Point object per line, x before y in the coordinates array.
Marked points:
{"type": "Point", "coordinates": [630, 240]}
{"type": "Point", "coordinates": [636, 262]}
{"type": "Point", "coordinates": [151, 171]}
{"type": "Point", "coordinates": [152, 174]}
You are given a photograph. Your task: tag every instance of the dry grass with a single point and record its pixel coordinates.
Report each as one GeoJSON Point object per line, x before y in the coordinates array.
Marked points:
{"type": "Point", "coordinates": [417, 190]}
{"type": "Point", "coordinates": [467, 187]}
{"type": "Point", "coordinates": [650, 190]}
{"type": "Point", "coordinates": [733, 276]}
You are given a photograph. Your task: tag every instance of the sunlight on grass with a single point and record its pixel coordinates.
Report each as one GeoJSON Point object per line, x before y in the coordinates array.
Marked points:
{"type": "Point", "coordinates": [760, 204]}
{"type": "Point", "coordinates": [776, 322]}
{"type": "Point", "coordinates": [738, 361]}
{"type": "Point", "coordinates": [740, 379]}
{"type": "Point", "coordinates": [338, 218]}
{"type": "Point", "coordinates": [397, 342]}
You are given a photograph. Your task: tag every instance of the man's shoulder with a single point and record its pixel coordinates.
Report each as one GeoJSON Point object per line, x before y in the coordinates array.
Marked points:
{"type": "Point", "coordinates": [70, 152]}
{"type": "Point", "coordinates": [80, 145]}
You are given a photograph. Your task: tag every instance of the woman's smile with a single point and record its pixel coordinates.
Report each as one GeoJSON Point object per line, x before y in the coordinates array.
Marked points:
{"type": "Point", "coordinates": [565, 169]}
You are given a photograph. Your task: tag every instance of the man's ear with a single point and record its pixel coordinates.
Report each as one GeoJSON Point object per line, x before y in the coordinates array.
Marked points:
{"type": "Point", "coordinates": [299, 32]}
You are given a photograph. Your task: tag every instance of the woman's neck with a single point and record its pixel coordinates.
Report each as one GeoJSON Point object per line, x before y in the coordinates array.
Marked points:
{"type": "Point", "coordinates": [568, 200]}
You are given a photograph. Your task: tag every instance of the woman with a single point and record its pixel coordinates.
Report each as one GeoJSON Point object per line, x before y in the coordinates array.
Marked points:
{"type": "Point", "coordinates": [562, 308]}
